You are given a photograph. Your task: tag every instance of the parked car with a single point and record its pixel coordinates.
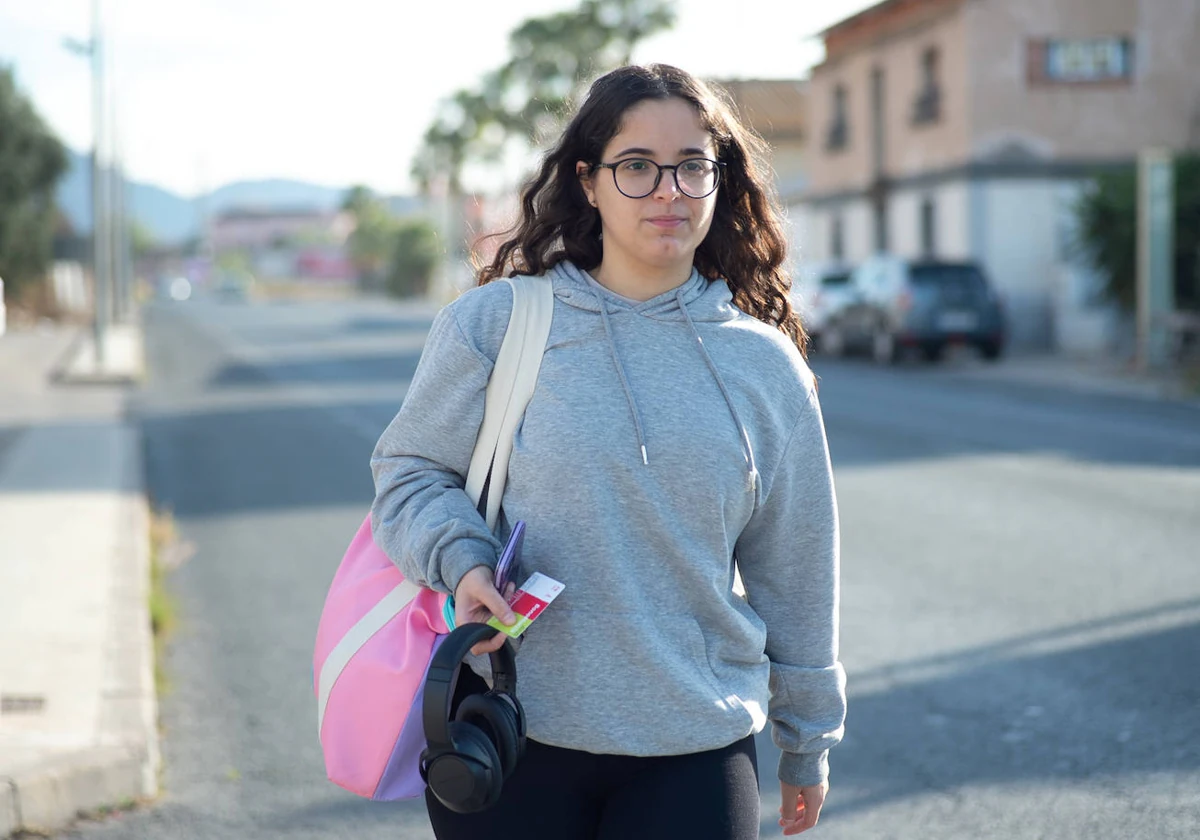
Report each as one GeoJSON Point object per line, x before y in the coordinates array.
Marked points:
{"type": "Point", "coordinates": [819, 297]}
{"type": "Point", "coordinates": [898, 305]}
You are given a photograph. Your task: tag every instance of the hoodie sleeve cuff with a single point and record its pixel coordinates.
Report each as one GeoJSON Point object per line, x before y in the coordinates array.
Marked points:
{"type": "Point", "coordinates": [804, 769]}
{"type": "Point", "coordinates": [460, 558]}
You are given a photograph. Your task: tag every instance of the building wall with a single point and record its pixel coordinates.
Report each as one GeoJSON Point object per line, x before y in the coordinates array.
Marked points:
{"type": "Point", "coordinates": [788, 161]}
{"type": "Point", "coordinates": [812, 228]}
{"type": "Point", "coordinates": [954, 219]}
{"type": "Point", "coordinates": [806, 244]}
{"type": "Point", "coordinates": [951, 220]}
{"type": "Point", "coordinates": [775, 109]}
{"type": "Point", "coordinates": [1022, 250]}
{"type": "Point", "coordinates": [913, 148]}
{"type": "Point", "coordinates": [908, 148]}
{"type": "Point", "coordinates": [1108, 120]}
{"type": "Point", "coordinates": [266, 230]}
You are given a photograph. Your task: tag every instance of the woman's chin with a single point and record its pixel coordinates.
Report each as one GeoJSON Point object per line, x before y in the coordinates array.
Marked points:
{"type": "Point", "coordinates": [668, 250]}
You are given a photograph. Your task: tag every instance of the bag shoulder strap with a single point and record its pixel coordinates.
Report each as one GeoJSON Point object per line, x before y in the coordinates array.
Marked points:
{"type": "Point", "coordinates": [510, 388]}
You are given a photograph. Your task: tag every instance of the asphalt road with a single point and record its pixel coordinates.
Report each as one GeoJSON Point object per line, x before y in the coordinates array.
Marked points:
{"type": "Point", "coordinates": [1021, 604]}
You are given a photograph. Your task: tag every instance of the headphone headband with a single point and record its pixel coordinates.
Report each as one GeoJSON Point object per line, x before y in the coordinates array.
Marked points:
{"type": "Point", "coordinates": [442, 676]}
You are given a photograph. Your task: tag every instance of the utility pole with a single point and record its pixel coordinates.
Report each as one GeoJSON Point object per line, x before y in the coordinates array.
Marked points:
{"type": "Point", "coordinates": [1155, 255]}
{"type": "Point", "coordinates": [119, 203]}
{"type": "Point", "coordinates": [101, 260]}
{"type": "Point", "coordinates": [119, 226]}
{"type": "Point", "coordinates": [101, 256]}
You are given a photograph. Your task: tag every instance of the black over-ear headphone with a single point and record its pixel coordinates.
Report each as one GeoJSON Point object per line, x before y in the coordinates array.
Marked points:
{"type": "Point", "coordinates": [466, 760]}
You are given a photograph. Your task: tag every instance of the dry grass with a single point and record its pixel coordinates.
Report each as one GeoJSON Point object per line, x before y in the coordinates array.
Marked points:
{"type": "Point", "coordinates": [164, 610]}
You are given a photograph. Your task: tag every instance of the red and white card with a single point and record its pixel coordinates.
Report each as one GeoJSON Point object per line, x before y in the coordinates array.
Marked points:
{"type": "Point", "coordinates": [528, 603]}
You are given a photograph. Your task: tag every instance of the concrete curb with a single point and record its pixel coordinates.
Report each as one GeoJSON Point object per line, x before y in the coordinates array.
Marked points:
{"type": "Point", "coordinates": [55, 793]}
{"type": "Point", "coordinates": [123, 359]}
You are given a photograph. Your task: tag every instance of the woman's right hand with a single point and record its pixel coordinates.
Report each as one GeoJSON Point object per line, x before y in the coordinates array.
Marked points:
{"type": "Point", "coordinates": [476, 599]}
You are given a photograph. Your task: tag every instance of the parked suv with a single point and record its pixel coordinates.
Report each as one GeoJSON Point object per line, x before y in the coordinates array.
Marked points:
{"type": "Point", "coordinates": [898, 305]}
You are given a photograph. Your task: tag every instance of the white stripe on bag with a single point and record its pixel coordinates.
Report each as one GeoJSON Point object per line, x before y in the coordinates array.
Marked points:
{"type": "Point", "coordinates": [389, 607]}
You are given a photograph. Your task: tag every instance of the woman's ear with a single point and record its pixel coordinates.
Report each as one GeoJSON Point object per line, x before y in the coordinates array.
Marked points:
{"type": "Point", "coordinates": [584, 172]}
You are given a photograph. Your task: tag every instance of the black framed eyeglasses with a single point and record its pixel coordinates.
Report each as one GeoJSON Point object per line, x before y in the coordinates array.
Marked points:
{"type": "Point", "coordinates": [639, 177]}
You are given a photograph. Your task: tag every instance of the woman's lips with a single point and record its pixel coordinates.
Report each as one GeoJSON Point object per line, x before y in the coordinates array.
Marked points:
{"type": "Point", "coordinates": [666, 221]}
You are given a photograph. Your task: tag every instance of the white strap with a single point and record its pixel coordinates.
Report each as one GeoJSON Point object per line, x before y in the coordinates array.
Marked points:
{"type": "Point", "coordinates": [510, 388]}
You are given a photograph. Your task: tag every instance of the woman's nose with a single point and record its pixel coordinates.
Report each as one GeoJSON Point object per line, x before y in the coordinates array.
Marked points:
{"type": "Point", "coordinates": [667, 188]}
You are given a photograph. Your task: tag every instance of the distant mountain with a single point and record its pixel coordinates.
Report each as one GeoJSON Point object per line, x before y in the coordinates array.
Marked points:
{"type": "Point", "coordinates": [172, 218]}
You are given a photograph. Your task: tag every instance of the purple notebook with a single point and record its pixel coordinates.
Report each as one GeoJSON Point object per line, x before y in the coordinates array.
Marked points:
{"type": "Point", "coordinates": [509, 568]}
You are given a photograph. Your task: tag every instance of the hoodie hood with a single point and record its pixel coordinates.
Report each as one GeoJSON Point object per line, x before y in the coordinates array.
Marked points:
{"type": "Point", "coordinates": [696, 300]}
{"type": "Point", "coordinates": [705, 300]}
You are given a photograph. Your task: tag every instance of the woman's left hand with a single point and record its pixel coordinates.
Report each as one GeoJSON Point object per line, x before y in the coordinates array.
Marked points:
{"type": "Point", "coordinates": [801, 806]}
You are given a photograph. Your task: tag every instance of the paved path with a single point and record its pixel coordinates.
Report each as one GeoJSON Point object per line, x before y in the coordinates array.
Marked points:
{"type": "Point", "coordinates": [78, 709]}
{"type": "Point", "coordinates": [1020, 608]}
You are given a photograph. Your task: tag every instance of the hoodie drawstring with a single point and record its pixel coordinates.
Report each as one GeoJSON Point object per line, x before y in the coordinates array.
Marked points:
{"type": "Point", "coordinates": [612, 346]}
{"type": "Point", "coordinates": [748, 449]}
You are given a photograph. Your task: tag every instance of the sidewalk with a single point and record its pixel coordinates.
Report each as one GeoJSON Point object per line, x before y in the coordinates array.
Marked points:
{"type": "Point", "coordinates": [78, 712]}
{"type": "Point", "coordinates": [1101, 376]}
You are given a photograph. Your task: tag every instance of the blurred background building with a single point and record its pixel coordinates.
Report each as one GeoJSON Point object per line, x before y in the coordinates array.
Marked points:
{"type": "Point", "coordinates": [966, 129]}
{"type": "Point", "coordinates": [778, 111]}
{"type": "Point", "coordinates": [286, 243]}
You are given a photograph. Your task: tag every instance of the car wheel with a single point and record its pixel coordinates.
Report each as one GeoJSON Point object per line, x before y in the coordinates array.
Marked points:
{"type": "Point", "coordinates": [991, 350]}
{"type": "Point", "coordinates": [883, 346]}
{"type": "Point", "coordinates": [933, 352]}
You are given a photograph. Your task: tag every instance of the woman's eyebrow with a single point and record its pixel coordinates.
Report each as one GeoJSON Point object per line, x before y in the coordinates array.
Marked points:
{"type": "Point", "coordinates": [692, 150]}
{"type": "Point", "coordinates": [634, 151]}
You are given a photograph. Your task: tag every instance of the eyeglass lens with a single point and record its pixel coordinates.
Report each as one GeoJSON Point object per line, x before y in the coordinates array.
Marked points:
{"type": "Point", "coordinates": [638, 177]}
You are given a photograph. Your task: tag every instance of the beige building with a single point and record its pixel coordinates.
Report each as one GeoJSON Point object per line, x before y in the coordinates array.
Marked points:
{"type": "Point", "coordinates": [967, 128]}
{"type": "Point", "coordinates": [776, 110]}
{"type": "Point", "coordinates": [302, 243]}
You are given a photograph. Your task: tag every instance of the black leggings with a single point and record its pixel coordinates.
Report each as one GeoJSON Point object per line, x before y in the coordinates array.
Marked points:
{"type": "Point", "coordinates": [560, 794]}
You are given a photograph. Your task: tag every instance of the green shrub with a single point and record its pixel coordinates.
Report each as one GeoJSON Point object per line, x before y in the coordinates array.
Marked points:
{"type": "Point", "coordinates": [416, 255]}
{"type": "Point", "coordinates": [1107, 217]}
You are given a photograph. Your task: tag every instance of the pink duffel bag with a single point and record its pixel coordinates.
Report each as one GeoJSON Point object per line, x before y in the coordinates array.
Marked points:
{"type": "Point", "coordinates": [377, 635]}
{"type": "Point", "coordinates": [378, 631]}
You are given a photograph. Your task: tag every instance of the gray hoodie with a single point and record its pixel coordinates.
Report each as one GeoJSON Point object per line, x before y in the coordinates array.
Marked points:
{"type": "Point", "coordinates": [665, 438]}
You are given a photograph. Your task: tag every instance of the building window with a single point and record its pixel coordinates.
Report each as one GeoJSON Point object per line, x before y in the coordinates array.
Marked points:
{"type": "Point", "coordinates": [928, 228]}
{"type": "Point", "coordinates": [839, 132]}
{"type": "Point", "coordinates": [837, 243]}
{"type": "Point", "coordinates": [927, 107]}
{"type": "Point", "coordinates": [1080, 60]}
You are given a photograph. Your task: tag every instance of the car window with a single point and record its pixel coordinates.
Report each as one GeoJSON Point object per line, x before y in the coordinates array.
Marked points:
{"type": "Point", "coordinates": [950, 277]}
{"type": "Point", "coordinates": [835, 279]}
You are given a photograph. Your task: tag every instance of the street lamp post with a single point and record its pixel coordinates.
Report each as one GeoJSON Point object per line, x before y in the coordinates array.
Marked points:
{"type": "Point", "coordinates": [101, 260]}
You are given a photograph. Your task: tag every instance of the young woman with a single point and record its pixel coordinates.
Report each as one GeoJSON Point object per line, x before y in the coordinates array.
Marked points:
{"type": "Point", "coordinates": [674, 436]}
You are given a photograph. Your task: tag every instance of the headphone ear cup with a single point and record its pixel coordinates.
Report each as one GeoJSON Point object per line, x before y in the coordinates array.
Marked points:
{"type": "Point", "coordinates": [468, 777]}
{"type": "Point", "coordinates": [513, 706]}
{"type": "Point", "coordinates": [499, 724]}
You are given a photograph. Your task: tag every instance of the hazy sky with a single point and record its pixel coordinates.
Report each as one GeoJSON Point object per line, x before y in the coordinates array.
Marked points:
{"type": "Point", "coordinates": [336, 92]}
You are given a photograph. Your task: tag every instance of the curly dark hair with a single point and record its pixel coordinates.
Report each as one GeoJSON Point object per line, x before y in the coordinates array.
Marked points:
{"type": "Point", "coordinates": [745, 246]}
